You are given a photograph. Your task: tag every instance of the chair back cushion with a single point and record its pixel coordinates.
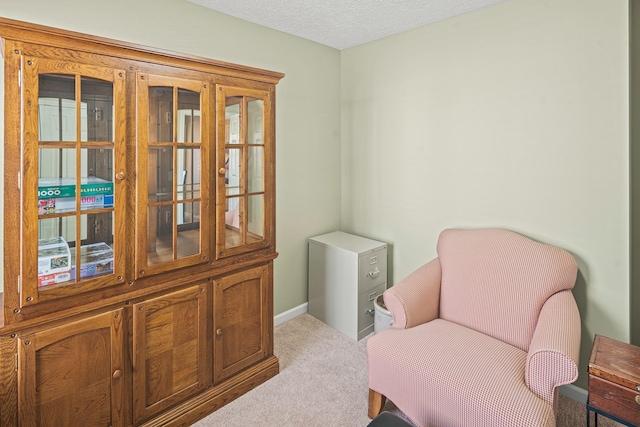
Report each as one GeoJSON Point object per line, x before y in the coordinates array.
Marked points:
{"type": "Point", "coordinates": [495, 281]}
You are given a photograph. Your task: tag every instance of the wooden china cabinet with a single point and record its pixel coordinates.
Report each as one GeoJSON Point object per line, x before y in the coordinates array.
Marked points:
{"type": "Point", "coordinates": [138, 231]}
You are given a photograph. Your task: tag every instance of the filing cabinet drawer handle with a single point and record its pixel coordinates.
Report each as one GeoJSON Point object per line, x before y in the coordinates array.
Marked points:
{"type": "Point", "coordinates": [373, 274]}
{"type": "Point", "coordinates": [371, 311]}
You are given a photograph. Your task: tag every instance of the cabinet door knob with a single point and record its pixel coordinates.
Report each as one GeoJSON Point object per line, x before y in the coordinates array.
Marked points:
{"type": "Point", "coordinates": [222, 171]}
{"type": "Point", "coordinates": [120, 176]}
{"type": "Point", "coordinates": [218, 332]}
{"type": "Point", "coordinates": [117, 374]}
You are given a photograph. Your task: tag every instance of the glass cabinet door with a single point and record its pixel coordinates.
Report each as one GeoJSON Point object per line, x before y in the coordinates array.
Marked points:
{"type": "Point", "coordinates": [172, 214]}
{"type": "Point", "coordinates": [245, 169]}
{"type": "Point", "coordinates": [73, 178]}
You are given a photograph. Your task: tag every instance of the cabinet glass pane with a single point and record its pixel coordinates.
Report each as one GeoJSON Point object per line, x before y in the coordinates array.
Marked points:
{"type": "Point", "coordinates": [56, 108]}
{"type": "Point", "coordinates": [57, 248]}
{"type": "Point", "coordinates": [188, 215]}
{"type": "Point", "coordinates": [160, 234]}
{"type": "Point", "coordinates": [96, 252]}
{"type": "Point", "coordinates": [54, 255]}
{"type": "Point", "coordinates": [160, 114]}
{"type": "Point", "coordinates": [160, 174]}
{"type": "Point", "coordinates": [255, 109]}
{"type": "Point", "coordinates": [188, 219]}
{"type": "Point", "coordinates": [232, 222]}
{"type": "Point", "coordinates": [233, 162]}
{"type": "Point", "coordinates": [255, 218]}
{"type": "Point", "coordinates": [188, 116]}
{"type": "Point", "coordinates": [96, 191]}
{"type": "Point", "coordinates": [255, 168]}
{"type": "Point", "coordinates": [96, 110]}
{"type": "Point", "coordinates": [56, 180]}
{"type": "Point", "coordinates": [188, 186]}
{"type": "Point", "coordinates": [232, 120]}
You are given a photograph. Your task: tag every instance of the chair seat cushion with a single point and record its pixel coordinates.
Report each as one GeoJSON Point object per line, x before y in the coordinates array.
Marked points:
{"type": "Point", "coordinates": [441, 374]}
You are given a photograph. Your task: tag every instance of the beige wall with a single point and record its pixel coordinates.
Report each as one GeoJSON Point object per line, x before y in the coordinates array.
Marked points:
{"type": "Point", "coordinates": [513, 116]}
{"type": "Point", "coordinates": [308, 100]}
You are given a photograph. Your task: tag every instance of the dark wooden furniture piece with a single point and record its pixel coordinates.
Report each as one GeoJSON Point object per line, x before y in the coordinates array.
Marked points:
{"type": "Point", "coordinates": [614, 381]}
{"type": "Point", "coordinates": [139, 231]}
{"type": "Point", "coordinates": [387, 419]}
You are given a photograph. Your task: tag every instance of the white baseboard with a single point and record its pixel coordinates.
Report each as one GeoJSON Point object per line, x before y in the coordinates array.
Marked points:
{"type": "Point", "coordinates": [573, 392]}
{"type": "Point", "coordinates": [290, 314]}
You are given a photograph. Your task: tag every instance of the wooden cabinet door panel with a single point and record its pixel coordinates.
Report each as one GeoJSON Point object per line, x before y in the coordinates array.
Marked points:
{"type": "Point", "coordinates": [169, 350]}
{"type": "Point", "coordinates": [241, 330]}
{"type": "Point", "coordinates": [246, 170]}
{"type": "Point", "coordinates": [72, 374]}
{"type": "Point", "coordinates": [58, 167]}
{"type": "Point", "coordinates": [173, 186]}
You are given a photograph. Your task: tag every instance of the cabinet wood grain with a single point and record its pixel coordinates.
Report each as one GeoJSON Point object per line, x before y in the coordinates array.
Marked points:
{"type": "Point", "coordinates": [132, 295]}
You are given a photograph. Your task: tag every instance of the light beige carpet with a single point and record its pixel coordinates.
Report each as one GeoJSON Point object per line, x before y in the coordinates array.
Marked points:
{"type": "Point", "coordinates": [323, 382]}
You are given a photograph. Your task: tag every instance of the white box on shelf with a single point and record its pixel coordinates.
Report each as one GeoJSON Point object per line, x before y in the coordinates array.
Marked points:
{"type": "Point", "coordinates": [55, 278]}
{"type": "Point", "coordinates": [53, 256]}
{"type": "Point", "coordinates": [95, 259]}
{"type": "Point", "coordinates": [54, 261]}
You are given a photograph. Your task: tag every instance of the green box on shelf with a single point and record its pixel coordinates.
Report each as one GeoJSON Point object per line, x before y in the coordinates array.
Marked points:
{"type": "Point", "coordinates": [65, 187]}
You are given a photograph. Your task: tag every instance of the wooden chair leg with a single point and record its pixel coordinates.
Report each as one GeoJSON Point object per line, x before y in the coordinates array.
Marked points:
{"type": "Point", "coordinates": [376, 403]}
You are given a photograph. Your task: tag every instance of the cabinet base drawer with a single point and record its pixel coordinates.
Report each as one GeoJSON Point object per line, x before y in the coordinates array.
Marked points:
{"type": "Point", "coordinates": [614, 399]}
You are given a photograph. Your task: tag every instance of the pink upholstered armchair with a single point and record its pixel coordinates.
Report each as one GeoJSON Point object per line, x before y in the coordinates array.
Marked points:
{"type": "Point", "coordinates": [482, 335]}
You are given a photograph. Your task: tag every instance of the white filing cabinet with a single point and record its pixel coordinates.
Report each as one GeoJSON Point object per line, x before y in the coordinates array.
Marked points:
{"type": "Point", "coordinates": [346, 274]}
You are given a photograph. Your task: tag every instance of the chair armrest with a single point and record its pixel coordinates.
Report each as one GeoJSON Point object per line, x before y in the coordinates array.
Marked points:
{"type": "Point", "coordinates": [554, 351]}
{"type": "Point", "coordinates": [416, 299]}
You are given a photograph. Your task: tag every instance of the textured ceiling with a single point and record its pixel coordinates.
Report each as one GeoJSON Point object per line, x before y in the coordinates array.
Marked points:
{"type": "Point", "coordinates": [343, 23]}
